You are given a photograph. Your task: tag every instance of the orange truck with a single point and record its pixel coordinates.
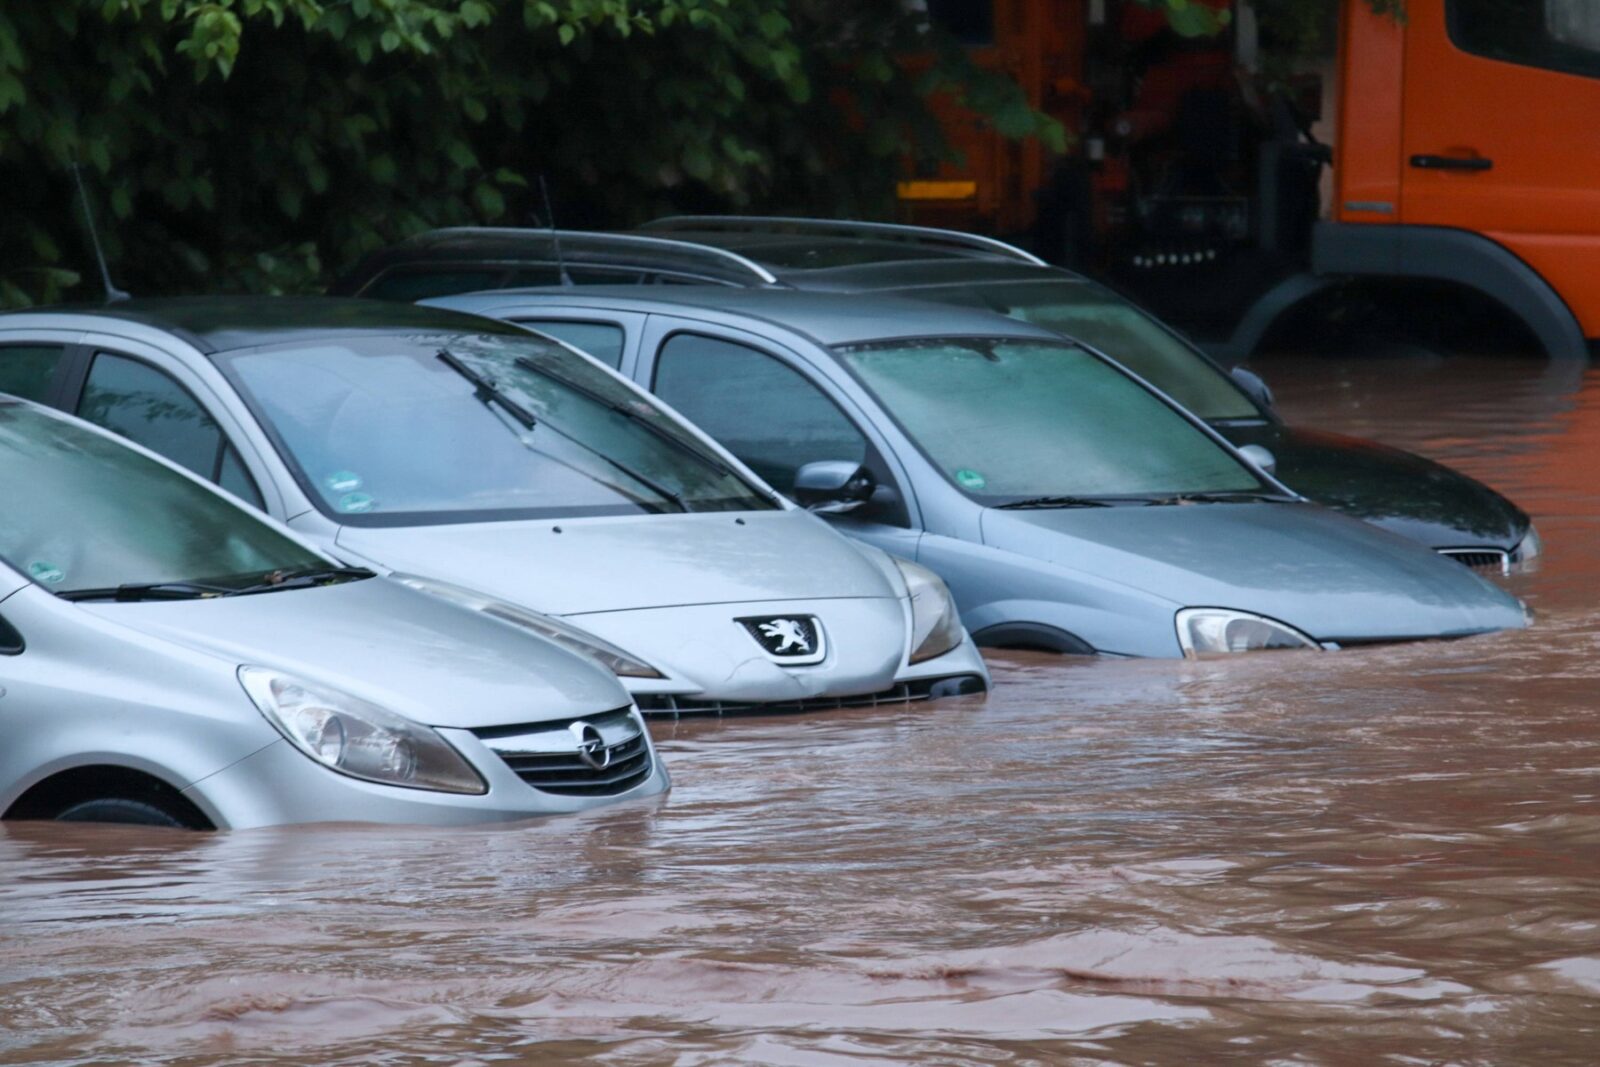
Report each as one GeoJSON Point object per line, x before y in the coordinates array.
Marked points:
{"type": "Point", "coordinates": [1463, 208]}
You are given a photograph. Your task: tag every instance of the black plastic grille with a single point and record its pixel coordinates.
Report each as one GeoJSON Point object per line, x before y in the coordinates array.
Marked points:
{"type": "Point", "coordinates": [901, 693]}
{"type": "Point", "coordinates": [1492, 560]}
{"type": "Point", "coordinates": [566, 773]}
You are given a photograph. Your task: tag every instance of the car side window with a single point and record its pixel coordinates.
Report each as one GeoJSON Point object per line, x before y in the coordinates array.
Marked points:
{"type": "Point", "coordinates": [148, 407]}
{"type": "Point", "coordinates": [1562, 35]}
{"type": "Point", "coordinates": [29, 371]}
{"type": "Point", "coordinates": [602, 340]}
{"type": "Point", "coordinates": [761, 410]}
{"type": "Point", "coordinates": [409, 285]}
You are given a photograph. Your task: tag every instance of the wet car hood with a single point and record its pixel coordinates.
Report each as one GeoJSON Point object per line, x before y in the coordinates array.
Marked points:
{"type": "Point", "coordinates": [403, 650]}
{"type": "Point", "coordinates": [1336, 578]}
{"type": "Point", "coordinates": [567, 566]}
{"type": "Point", "coordinates": [1400, 491]}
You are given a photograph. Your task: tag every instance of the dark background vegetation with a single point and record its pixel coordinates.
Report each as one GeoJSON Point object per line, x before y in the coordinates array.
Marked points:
{"type": "Point", "coordinates": [264, 145]}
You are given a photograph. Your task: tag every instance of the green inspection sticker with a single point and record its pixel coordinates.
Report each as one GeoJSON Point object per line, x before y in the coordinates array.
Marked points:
{"type": "Point", "coordinates": [46, 572]}
{"type": "Point", "coordinates": [356, 503]}
{"type": "Point", "coordinates": [967, 478]}
{"type": "Point", "coordinates": [343, 481]}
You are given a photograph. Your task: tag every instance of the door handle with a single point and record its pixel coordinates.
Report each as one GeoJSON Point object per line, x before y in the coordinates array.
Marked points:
{"type": "Point", "coordinates": [1451, 163]}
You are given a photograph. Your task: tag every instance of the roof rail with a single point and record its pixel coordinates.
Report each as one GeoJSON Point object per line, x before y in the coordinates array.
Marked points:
{"type": "Point", "coordinates": [923, 235]}
{"type": "Point", "coordinates": [596, 247]}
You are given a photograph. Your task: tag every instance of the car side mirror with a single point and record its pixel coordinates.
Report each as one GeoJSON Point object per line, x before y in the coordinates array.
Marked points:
{"type": "Point", "coordinates": [1261, 458]}
{"type": "Point", "coordinates": [11, 642]}
{"type": "Point", "coordinates": [1253, 385]}
{"type": "Point", "coordinates": [832, 486]}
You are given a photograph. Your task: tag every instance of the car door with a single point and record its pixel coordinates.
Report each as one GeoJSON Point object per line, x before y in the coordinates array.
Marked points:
{"type": "Point", "coordinates": [612, 337]}
{"type": "Point", "coordinates": [777, 412]}
{"type": "Point", "coordinates": [150, 398]}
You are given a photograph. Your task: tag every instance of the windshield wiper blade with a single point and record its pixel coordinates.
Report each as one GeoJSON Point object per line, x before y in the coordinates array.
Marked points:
{"type": "Point", "coordinates": [148, 591]}
{"type": "Point", "coordinates": [487, 390]}
{"type": "Point", "coordinates": [1238, 496]}
{"type": "Point", "coordinates": [1055, 502]}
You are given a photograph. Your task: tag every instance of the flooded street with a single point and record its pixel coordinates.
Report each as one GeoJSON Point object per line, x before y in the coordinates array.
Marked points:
{"type": "Point", "coordinates": [1389, 855]}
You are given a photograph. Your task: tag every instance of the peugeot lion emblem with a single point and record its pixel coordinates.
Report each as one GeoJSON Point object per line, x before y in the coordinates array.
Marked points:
{"type": "Point", "coordinates": [788, 638]}
{"type": "Point", "coordinates": [591, 746]}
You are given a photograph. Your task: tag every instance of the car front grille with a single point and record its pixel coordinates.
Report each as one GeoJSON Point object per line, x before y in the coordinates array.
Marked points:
{"type": "Point", "coordinates": [547, 756]}
{"type": "Point", "coordinates": [1488, 560]}
{"type": "Point", "coordinates": [676, 705]}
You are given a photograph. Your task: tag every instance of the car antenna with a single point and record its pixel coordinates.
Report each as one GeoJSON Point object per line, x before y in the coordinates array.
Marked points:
{"type": "Point", "coordinates": [113, 294]}
{"type": "Point", "coordinates": [555, 234]}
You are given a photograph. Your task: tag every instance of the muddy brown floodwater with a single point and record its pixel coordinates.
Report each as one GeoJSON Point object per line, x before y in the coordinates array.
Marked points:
{"type": "Point", "coordinates": [1377, 856]}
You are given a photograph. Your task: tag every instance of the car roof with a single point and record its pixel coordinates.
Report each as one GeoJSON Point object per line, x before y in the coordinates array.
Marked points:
{"type": "Point", "coordinates": [220, 323]}
{"type": "Point", "coordinates": [826, 318]}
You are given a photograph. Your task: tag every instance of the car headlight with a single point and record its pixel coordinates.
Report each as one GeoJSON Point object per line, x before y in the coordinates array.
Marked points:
{"type": "Point", "coordinates": [1206, 630]}
{"type": "Point", "coordinates": [935, 623]}
{"type": "Point", "coordinates": [349, 735]}
{"type": "Point", "coordinates": [1530, 548]}
{"type": "Point", "coordinates": [567, 636]}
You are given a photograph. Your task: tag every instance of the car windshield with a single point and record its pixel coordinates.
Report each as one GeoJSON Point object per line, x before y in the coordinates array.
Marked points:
{"type": "Point", "coordinates": [1014, 420]}
{"type": "Point", "coordinates": [473, 428]}
{"type": "Point", "coordinates": [1096, 316]}
{"type": "Point", "coordinates": [90, 513]}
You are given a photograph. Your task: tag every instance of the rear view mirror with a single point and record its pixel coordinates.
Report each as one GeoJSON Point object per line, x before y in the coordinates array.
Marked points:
{"type": "Point", "coordinates": [1253, 385]}
{"type": "Point", "coordinates": [831, 486]}
{"type": "Point", "coordinates": [1260, 457]}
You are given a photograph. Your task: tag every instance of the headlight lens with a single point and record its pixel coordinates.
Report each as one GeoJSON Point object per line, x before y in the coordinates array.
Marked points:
{"type": "Point", "coordinates": [1206, 630]}
{"type": "Point", "coordinates": [935, 623]}
{"type": "Point", "coordinates": [353, 737]}
{"type": "Point", "coordinates": [1530, 548]}
{"type": "Point", "coordinates": [567, 636]}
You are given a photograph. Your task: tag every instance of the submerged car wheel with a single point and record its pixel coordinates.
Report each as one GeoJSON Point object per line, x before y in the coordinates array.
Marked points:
{"type": "Point", "coordinates": [125, 810]}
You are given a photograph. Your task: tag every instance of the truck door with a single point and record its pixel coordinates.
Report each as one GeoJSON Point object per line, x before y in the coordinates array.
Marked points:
{"type": "Point", "coordinates": [1499, 133]}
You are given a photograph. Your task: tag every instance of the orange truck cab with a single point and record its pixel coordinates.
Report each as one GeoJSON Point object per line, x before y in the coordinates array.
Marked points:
{"type": "Point", "coordinates": [1464, 203]}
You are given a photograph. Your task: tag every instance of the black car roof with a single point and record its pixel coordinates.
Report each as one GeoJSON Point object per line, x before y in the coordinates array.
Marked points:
{"type": "Point", "coordinates": [221, 323]}
{"type": "Point", "coordinates": [823, 317]}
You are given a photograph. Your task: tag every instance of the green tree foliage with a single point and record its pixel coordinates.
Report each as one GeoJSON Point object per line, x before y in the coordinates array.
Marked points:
{"type": "Point", "coordinates": [258, 144]}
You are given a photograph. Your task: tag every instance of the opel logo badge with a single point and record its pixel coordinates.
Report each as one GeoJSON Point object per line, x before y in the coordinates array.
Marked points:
{"type": "Point", "coordinates": [591, 746]}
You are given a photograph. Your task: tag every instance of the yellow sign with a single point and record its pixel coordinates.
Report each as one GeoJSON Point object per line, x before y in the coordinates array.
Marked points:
{"type": "Point", "coordinates": [940, 190]}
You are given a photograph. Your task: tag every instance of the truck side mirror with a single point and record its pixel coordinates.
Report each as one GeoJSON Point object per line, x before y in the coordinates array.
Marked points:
{"type": "Point", "coordinates": [832, 486]}
{"type": "Point", "coordinates": [1261, 458]}
{"type": "Point", "coordinates": [1253, 386]}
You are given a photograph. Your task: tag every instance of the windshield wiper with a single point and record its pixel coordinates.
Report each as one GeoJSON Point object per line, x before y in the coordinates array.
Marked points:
{"type": "Point", "coordinates": [1055, 502]}
{"type": "Point", "coordinates": [301, 578]}
{"type": "Point", "coordinates": [1238, 496]}
{"type": "Point", "coordinates": [487, 390]}
{"type": "Point", "coordinates": [148, 591]}
{"type": "Point", "coordinates": [628, 413]}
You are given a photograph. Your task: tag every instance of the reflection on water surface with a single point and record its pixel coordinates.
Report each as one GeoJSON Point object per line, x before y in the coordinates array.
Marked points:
{"type": "Point", "coordinates": [1381, 856]}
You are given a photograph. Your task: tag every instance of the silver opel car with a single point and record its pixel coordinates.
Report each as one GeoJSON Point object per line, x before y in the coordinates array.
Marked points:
{"type": "Point", "coordinates": [170, 657]}
{"type": "Point", "coordinates": [488, 465]}
{"type": "Point", "coordinates": [1069, 505]}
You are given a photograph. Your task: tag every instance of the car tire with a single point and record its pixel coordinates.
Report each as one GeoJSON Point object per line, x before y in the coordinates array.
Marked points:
{"type": "Point", "coordinates": [124, 810]}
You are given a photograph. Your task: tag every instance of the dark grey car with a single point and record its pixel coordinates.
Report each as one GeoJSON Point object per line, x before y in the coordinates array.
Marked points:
{"type": "Point", "coordinates": [1397, 490]}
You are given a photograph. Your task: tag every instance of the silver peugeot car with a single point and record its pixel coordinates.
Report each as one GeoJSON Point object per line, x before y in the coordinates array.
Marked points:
{"type": "Point", "coordinates": [170, 657]}
{"type": "Point", "coordinates": [1069, 505]}
{"type": "Point", "coordinates": [487, 465]}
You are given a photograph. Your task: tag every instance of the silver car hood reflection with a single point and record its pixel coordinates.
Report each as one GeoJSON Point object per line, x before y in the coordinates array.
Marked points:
{"type": "Point", "coordinates": [566, 566]}
{"type": "Point", "coordinates": [1333, 577]}
{"type": "Point", "coordinates": [429, 660]}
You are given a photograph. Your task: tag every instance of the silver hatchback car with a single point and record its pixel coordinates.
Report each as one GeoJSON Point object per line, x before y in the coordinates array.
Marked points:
{"type": "Point", "coordinates": [1069, 505]}
{"type": "Point", "coordinates": [169, 657]}
{"type": "Point", "coordinates": [488, 464]}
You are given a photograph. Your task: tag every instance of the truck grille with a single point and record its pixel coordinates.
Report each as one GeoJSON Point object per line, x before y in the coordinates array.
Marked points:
{"type": "Point", "coordinates": [678, 705]}
{"type": "Point", "coordinates": [1488, 560]}
{"type": "Point", "coordinates": [547, 755]}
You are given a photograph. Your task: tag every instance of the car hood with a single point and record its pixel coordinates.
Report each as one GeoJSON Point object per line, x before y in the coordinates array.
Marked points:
{"type": "Point", "coordinates": [566, 566]}
{"type": "Point", "coordinates": [1335, 578]}
{"type": "Point", "coordinates": [1400, 491]}
{"type": "Point", "coordinates": [376, 639]}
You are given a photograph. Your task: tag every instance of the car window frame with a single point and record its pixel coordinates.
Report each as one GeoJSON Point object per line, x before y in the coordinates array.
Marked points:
{"type": "Point", "coordinates": [162, 362]}
{"type": "Point", "coordinates": [881, 455]}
